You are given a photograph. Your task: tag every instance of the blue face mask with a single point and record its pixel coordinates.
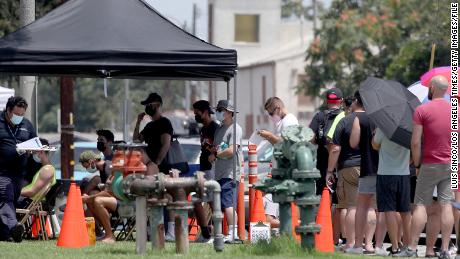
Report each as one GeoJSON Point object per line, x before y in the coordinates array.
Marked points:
{"type": "Point", "coordinates": [16, 119]}
{"type": "Point", "coordinates": [220, 116]}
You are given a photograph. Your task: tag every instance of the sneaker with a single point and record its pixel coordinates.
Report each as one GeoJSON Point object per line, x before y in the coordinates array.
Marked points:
{"type": "Point", "coordinates": [444, 255]}
{"type": "Point", "coordinates": [17, 232]}
{"type": "Point", "coordinates": [229, 238]}
{"type": "Point", "coordinates": [406, 252]}
{"type": "Point", "coordinates": [354, 250]}
{"type": "Point", "coordinates": [380, 251]}
{"type": "Point", "coordinates": [169, 237]}
{"type": "Point", "coordinates": [201, 239]}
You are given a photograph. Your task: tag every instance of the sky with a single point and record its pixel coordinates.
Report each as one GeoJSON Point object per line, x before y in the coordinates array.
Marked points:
{"type": "Point", "coordinates": [181, 11]}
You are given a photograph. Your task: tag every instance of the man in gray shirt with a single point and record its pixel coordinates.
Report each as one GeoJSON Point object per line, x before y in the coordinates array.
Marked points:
{"type": "Point", "coordinates": [222, 155]}
{"type": "Point", "coordinates": [393, 187]}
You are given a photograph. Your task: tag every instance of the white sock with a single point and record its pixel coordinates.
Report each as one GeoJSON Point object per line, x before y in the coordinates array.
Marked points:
{"type": "Point", "coordinates": [171, 228]}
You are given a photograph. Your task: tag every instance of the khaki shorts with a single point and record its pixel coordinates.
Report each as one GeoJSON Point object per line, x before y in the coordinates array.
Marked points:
{"type": "Point", "coordinates": [347, 187]}
{"type": "Point", "coordinates": [433, 175]}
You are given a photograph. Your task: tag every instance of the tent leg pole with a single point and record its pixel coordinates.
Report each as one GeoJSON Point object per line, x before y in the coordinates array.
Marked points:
{"type": "Point", "coordinates": [234, 153]}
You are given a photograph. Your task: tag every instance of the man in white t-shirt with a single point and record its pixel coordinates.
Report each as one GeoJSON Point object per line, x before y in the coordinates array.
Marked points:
{"type": "Point", "coordinates": [280, 117]}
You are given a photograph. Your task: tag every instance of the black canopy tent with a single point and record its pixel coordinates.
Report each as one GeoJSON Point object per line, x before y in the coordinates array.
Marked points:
{"type": "Point", "coordinates": [112, 38]}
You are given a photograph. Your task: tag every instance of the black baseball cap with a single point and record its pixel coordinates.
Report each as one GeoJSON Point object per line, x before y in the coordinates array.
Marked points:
{"type": "Point", "coordinates": [203, 105]}
{"type": "Point", "coordinates": [153, 97]}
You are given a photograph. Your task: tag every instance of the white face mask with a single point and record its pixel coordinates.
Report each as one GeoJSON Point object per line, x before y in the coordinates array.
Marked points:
{"type": "Point", "coordinates": [220, 116]}
{"type": "Point", "coordinates": [16, 119]}
{"type": "Point", "coordinates": [91, 170]}
{"type": "Point", "coordinates": [36, 158]}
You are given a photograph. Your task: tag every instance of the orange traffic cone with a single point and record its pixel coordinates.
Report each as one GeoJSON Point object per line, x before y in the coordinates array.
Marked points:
{"type": "Point", "coordinates": [74, 233]}
{"type": "Point", "coordinates": [36, 227]}
{"type": "Point", "coordinates": [295, 220]}
{"type": "Point", "coordinates": [323, 240]}
{"type": "Point", "coordinates": [258, 213]}
{"type": "Point", "coordinates": [240, 210]}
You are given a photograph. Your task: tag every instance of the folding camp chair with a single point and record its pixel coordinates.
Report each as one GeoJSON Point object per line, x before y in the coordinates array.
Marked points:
{"type": "Point", "coordinates": [35, 209]}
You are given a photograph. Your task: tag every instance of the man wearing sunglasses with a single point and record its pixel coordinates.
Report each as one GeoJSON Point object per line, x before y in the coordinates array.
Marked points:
{"type": "Point", "coordinates": [280, 117]}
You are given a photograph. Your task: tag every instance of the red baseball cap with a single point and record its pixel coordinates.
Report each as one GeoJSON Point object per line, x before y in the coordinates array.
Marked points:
{"type": "Point", "coordinates": [334, 96]}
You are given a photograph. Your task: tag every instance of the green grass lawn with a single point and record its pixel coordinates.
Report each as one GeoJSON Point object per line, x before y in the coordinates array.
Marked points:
{"type": "Point", "coordinates": [281, 248]}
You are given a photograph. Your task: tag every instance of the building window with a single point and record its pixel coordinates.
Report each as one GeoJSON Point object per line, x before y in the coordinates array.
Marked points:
{"type": "Point", "coordinates": [247, 28]}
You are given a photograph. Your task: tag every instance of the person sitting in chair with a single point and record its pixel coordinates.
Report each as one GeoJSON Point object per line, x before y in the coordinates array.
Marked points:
{"type": "Point", "coordinates": [45, 177]}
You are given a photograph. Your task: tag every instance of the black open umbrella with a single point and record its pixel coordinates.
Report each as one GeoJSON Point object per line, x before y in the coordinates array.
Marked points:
{"type": "Point", "coordinates": [390, 106]}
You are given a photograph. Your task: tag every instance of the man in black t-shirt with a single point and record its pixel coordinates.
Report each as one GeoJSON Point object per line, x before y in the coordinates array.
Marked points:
{"type": "Point", "coordinates": [202, 110]}
{"type": "Point", "coordinates": [347, 161]}
{"type": "Point", "coordinates": [157, 133]}
{"type": "Point", "coordinates": [361, 137]}
{"type": "Point", "coordinates": [320, 124]}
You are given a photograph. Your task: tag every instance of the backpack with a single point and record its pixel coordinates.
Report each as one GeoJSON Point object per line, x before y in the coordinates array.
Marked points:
{"type": "Point", "coordinates": [326, 118]}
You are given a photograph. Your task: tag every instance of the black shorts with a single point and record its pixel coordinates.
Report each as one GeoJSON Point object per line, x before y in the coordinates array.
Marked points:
{"type": "Point", "coordinates": [393, 193]}
{"type": "Point", "coordinates": [228, 193]}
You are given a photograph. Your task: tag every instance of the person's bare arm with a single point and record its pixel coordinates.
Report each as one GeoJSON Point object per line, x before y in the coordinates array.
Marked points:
{"type": "Point", "coordinates": [274, 222]}
{"type": "Point", "coordinates": [272, 138]}
{"type": "Point", "coordinates": [416, 144]}
{"type": "Point", "coordinates": [165, 145]}
{"type": "Point", "coordinates": [44, 178]}
{"type": "Point", "coordinates": [86, 197]}
{"type": "Point", "coordinates": [355, 134]}
{"type": "Point", "coordinates": [92, 185]}
{"type": "Point", "coordinates": [137, 137]}
{"type": "Point", "coordinates": [375, 145]}
{"type": "Point", "coordinates": [226, 153]}
{"type": "Point", "coordinates": [334, 153]}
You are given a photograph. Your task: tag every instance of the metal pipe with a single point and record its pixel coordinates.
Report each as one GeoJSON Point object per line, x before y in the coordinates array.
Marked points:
{"type": "Point", "coordinates": [181, 230]}
{"type": "Point", "coordinates": [184, 182]}
{"type": "Point", "coordinates": [157, 227]}
{"type": "Point", "coordinates": [217, 215]}
{"type": "Point", "coordinates": [141, 224]}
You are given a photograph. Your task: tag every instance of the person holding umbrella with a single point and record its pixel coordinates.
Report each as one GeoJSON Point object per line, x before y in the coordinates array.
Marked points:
{"type": "Point", "coordinates": [432, 127]}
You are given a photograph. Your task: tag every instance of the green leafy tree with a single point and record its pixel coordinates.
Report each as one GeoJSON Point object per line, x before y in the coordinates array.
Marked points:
{"type": "Point", "coordinates": [389, 39]}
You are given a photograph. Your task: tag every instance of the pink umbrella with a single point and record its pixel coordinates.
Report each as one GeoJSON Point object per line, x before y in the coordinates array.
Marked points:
{"type": "Point", "coordinates": [444, 71]}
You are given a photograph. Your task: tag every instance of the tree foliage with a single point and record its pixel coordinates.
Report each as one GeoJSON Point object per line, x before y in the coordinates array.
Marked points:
{"type": "Point", "coordinates": [388, 39]}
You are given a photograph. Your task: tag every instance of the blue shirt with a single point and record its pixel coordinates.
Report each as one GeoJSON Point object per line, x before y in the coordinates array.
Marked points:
{"type": "Point", "coordinates": [11, 163]}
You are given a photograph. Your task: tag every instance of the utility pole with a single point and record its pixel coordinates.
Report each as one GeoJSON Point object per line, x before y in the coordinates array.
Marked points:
{"type": "Point", "coordinates": [126, 108]}
{"type": "Point", "coordinates": [210, 40]}
{"type": "Point", "coordinates": [193, 85]}
{"type": "Point", "coordinates": [27, 83]}
{"type": "Point", "coordinates": [67, 127]}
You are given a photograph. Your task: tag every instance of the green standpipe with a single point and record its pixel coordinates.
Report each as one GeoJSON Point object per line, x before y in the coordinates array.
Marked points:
{"type": "Point", "coordinates": [293, 180]}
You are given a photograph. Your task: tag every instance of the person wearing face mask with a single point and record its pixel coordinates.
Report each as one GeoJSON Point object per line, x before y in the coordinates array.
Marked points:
{"type": "Point", "coordinates": [280, 117]}
{"type": "Point", "coordinates": [105, 139]}
{"type": "Point", "coordinates": [44, 178]}
{"type": "Point", "coordinates": [222, 155]}
{"type": "Point", "coordinates": [158, 133]}
{"type": "Point", "coordinates": [203, 111]}
{"type": "Point", "coordinates": [93, 164]}
{"type": "Point", "coordinates": [14, 129]}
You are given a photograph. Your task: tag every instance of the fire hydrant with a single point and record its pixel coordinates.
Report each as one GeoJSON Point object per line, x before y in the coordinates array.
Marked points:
{"type": "Point", "coordinates": [294, 180]}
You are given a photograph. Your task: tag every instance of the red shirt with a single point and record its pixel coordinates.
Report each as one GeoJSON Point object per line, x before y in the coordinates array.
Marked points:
{"type": "Point", "coordinates": [434, 116]}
